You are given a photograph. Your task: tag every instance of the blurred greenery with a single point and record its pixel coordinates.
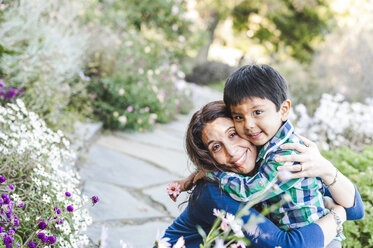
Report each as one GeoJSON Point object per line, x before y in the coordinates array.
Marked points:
{"type": "Point", "coordinates": [358, 167]}
{"type": "Point", "coordinates": [295, 27]}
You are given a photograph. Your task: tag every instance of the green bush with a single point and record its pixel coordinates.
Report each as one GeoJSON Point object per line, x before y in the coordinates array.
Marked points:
{"type": "Point", "coordinates": [142, 88]}
{"type": "Point", "coordinates": [43, 49]}
{"type": "Point", "coordinates": [358, 167]}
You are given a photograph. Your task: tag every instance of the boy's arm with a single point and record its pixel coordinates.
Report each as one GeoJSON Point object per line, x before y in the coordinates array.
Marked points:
{"type": "Point", "coordinates": [243, 188]}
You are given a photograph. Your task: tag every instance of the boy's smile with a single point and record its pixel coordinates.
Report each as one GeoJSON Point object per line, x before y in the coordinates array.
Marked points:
{"type": "Point", "coordinates": [257, 119]}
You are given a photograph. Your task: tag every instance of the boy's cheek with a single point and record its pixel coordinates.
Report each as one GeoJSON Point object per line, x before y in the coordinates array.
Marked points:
{"type": "Point", "coordinates": [241, 132]}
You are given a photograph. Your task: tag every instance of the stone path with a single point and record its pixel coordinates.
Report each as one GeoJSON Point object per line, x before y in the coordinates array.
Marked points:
{"type": "Point", "coordinates": [130, 171]}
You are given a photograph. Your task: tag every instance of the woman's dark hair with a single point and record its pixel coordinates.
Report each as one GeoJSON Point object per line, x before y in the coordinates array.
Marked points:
{"type": "Point", "coordinates": [197, 151]}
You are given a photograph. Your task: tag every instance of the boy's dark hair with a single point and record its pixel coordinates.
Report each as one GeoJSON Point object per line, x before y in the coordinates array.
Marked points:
{"type": "Point", "coordinates": [255, 81]}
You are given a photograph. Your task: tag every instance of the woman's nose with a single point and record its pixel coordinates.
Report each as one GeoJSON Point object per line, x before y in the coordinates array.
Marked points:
{"type": "Point", "coordinates": [231, 150]}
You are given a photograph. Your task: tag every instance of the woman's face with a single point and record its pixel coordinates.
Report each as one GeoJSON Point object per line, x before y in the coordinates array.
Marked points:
{"type": "Point", "coordinates": [227, 148]}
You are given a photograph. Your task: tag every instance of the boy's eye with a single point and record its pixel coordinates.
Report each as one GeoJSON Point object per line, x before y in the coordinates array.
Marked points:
{"type": "Point", "coordinates": [257, 112]}
{"type": "Point", "coordinates": [237, 118]}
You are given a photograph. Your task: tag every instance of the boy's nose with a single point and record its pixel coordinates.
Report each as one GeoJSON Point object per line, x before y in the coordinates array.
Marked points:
{"type": "Point", "coordinates": [249, 123]}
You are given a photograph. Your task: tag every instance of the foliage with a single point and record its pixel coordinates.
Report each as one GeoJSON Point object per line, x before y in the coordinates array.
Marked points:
{"type": "Point", "coordinates": [208, 72]}
{"type": "Point", "coordinates": [359, 168]}
{"type": "Point", "coordinates": [48, 51]}
{"type": "Point", "coordinates": [291, 26]}
{"type": "Point", "coordinates": [142, 88]}
{"type": "Point", "coordinates": [336, 123]}
{"type": "Point", "coordinates": [40, 163]}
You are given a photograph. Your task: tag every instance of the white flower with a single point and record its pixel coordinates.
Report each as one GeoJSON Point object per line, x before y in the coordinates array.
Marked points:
{"type": "Point", "coordinates": [161, 242]}
{"type": "Point", "coordinates": [219, 243]}
{"type": "Point", "coordinates": [218, 213]}
{"type": "Point", "coordinates": [180, 243]}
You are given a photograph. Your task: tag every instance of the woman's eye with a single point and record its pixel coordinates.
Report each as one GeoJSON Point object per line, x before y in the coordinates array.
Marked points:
{"type": "Point", "coordinates": [238, 118]}
{"type": "Point", "coordinates": [232, 134]}
{"type": "Point", "coordinates": [257, 112]}
{"type": "Point", "coordinates": [215, 148]}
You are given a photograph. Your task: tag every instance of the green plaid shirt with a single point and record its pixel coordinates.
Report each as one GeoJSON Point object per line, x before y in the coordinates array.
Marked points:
{"type": "Point", "coordinates": [306, 205]}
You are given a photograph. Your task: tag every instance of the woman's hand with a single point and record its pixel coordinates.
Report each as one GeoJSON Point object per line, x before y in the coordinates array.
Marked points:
{"type": "Point", "coordinates": [311, 162]}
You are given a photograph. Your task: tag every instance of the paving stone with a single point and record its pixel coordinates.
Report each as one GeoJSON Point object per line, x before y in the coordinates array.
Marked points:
{"type": "Point", "coordinates": [110, 166]}
{"type": "Point", "coordinates": [173, 161]}
{"type": "Point", "coordinates": [117, 204]}
{"type": "Point", "coordinates": [159, 137]}
{"type": "Point", "coordinates": [160, 195]}
{"type": "Point", "coordinates": [136, 236]}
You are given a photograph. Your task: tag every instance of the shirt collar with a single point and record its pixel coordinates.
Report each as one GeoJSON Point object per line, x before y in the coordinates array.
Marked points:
{"type": "Point", "coordinates": [280, 137]}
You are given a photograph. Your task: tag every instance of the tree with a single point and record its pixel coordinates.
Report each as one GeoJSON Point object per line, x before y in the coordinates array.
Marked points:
{"type": "Point", "coordinates": [295, 26]}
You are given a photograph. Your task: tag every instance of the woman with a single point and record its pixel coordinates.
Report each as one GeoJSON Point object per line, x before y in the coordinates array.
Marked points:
{"type": "Point", "coordinates": [211, 141]}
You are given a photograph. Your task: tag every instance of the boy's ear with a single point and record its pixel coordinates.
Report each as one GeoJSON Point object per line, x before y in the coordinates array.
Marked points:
{"type": "Point", "coordinates": [285, 109]}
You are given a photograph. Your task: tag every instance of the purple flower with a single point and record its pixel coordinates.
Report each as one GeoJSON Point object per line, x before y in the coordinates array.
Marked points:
{"type": "Point", "coordinates": [68, 194]}
{"type": "Point", "coordinates": [4, 196]}
{"type": "Point", "coordinates": [42, 225]}
{"type": "Point", "coordinates": [11, 187]}
{"type": "Point", "coordinates": [11, 232]}
{"type": "Point", "coordinates": [70, 208]}
{"type": "Point", "coordinates": [57, 210]}
{"type": "Point", "coordinates": [7, 200]}
{"type": "Point", "coordinates": [51, 240]}
{"type": "Point", "coordinates": [15, 222]}
{"type": "Point", "coordinates": [1, 229]}
{"type": "Point", "coordinates": [45, 239]}
{"type": "Point", "coordinates": [31, 245]}
{"type": "Point", "coordinates": [1, 201]}
{"type": "Point", "coordinates": [41, 235]}
{"type": "Point", "coordinates": [2, 179]}
{"type": "Point", "coordinates": [20, 205]}
{"type": "Point", "coordinates": [95, 199]}
{"type": "Point", "coordinates": [8, 240]}
{"type": "Point", "coordinates": [61, 221]}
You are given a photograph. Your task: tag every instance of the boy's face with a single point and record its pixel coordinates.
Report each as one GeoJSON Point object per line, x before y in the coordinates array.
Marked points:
{"type": "Point", "coordinates": [257, 120]}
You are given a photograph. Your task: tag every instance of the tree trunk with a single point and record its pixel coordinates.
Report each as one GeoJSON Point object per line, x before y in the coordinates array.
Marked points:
{"type": "Point", "coordinates": [213, 20]}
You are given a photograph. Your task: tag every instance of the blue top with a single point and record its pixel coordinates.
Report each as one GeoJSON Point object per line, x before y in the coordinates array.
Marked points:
{"type": "Point", "coordinates": [208, 196]}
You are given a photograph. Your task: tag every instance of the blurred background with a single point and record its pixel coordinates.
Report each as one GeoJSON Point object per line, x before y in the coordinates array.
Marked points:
{"type": "Point", "coordinates": [130, 64]}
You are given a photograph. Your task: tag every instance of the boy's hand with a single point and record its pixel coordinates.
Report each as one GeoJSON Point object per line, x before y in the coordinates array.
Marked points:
{"type": "Point", "coordinates": [329, 203]}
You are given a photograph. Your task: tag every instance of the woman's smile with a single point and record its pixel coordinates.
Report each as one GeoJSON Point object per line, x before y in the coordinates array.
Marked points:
{"type": "Point", "coordinates": [227, 147]}
{"type": "Point", "coordinates": [241, 160]}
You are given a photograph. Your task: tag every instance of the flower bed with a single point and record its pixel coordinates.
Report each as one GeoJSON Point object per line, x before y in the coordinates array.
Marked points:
{"type": "Point", "coordinates": [38, 163]}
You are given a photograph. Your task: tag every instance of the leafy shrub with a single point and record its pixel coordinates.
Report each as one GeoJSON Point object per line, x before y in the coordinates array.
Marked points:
{"type": "Point", "coordinates": [39, 163]}
{"type": "Point", "coordinates": [143, 87]}
{"type": "Point", "coordinates": [358, 167]}
{"type": "Point", "coordinates": [209, 72]}
{"type": "Point", "coordinates": [44, 50]}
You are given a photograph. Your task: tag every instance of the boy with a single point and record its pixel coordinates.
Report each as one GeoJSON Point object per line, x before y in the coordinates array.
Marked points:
{"type": "Point", "coordinates": [257, 98]}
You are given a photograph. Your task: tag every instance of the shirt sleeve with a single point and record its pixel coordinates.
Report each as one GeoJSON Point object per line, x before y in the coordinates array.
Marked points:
{"type": "Point", "coordinates": [356, 212]}
{"type": "Point", "coordinates": [244, 189]}
{"type": "Point", "coordinates": [264, 234]}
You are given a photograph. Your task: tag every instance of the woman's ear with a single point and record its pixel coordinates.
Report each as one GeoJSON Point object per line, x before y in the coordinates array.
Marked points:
{"type": "Point", "coordinates": [285, 109]}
